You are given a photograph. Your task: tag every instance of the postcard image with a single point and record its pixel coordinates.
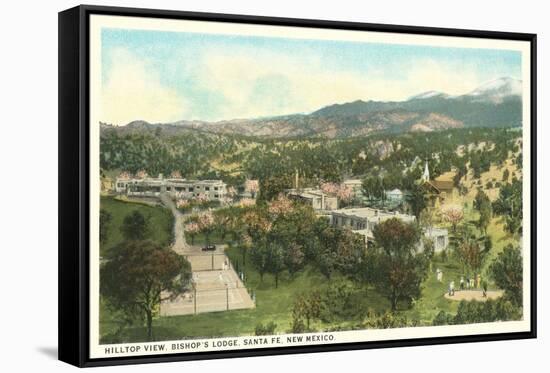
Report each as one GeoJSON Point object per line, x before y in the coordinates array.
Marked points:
{"type": "Point", "coordinates": [272, 186]}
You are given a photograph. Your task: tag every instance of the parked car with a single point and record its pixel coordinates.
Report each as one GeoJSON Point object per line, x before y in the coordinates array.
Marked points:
{"type": "Point", "coordinates": [209, 248]}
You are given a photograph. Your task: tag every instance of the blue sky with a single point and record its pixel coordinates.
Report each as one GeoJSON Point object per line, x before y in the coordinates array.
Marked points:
{"type": "Point", "coordinates": [167, 76]}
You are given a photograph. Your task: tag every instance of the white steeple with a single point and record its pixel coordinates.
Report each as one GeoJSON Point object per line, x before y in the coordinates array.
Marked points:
{"type": "Point", "coordinates": [426, 175]}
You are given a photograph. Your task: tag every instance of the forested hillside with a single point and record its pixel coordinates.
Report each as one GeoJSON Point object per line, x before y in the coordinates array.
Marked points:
{"type": "Point", "coordinates": [398, 158]}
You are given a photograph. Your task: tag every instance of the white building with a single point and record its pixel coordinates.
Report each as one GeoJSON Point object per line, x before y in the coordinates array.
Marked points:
{"type": "Point", "coordinates": [439, 236]}
{"type": "Point", "coordinates": [365, 217]}
{"type": "Point", "coordinates": [363, 220]}
{"type": "Point", "coordinates": [395, 195]}
{"type": "Point", "coordinates": [315, 197]}
{"type": "Point", "coordinates": [212, 189]}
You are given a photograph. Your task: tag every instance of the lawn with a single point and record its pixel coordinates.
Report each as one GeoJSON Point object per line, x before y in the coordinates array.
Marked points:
{"type": "Point", "coordinates": [272, 304]}
{"type": "Point", "coordinates": [275, 304]}
{"type": "Point", "coordinates": [160, 224]}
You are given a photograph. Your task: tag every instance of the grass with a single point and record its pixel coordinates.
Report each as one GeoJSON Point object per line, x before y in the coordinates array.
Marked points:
{"type": "Point", "coordinates": [432, 300]}
{"type": "Point", "coordinates": [275, 304]}
{"type": "Point", "coordinates": [272, 304]}
{"type": "Point", "coordinates": [161, 221]}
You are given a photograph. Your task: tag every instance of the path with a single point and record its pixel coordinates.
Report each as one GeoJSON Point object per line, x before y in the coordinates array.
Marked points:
{"type": "Point", "coordinates": [217, 287]}
{"type": "Point", "coordinates": [180, 245]}
{"type": "Point", "coordinates": [474, 295]}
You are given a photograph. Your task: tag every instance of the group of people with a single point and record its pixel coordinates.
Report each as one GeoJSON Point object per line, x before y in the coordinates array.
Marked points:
{"type": "Point", "coordinates": [465, 284]}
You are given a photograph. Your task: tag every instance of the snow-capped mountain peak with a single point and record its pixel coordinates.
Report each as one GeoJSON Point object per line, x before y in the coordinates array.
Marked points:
{"type": "Point", "coordinates": [496, 90]}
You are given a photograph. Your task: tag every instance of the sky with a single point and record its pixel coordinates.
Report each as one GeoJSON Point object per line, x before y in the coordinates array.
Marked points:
{"type": "Point", "coordinates": [160, 76]}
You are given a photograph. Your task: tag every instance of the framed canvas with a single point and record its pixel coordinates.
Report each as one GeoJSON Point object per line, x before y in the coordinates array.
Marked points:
{"type": "Point", "coordinates": [234, 186]}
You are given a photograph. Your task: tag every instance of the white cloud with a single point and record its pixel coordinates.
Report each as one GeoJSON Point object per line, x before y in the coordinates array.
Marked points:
{"type": "Point", "coordinates": [269, 84]}
{"type": "Point", "coordinates": [133, 91]}
{"type": "Point", "coordinates": [306, 86]}
{"type": "Point", "coordinates": [263, 83]}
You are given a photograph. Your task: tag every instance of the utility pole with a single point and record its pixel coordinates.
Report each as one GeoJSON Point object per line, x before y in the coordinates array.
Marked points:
{"type": "Point", "coordinates": [227, 297]}
{"type": "Point", "coordinates": [195, 300]}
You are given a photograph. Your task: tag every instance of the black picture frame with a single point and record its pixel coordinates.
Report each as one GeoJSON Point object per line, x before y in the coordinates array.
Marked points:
{"type": "Point", "coordinates": [74, 181]}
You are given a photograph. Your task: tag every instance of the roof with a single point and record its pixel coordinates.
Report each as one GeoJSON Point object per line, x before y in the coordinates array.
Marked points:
{"type": "Point", "coordinates": [395, 191]}
{"type": "Point", "coordinates": [370, 213]}
{"type": "Point", "coordinates": [443, 184]}
{"type": "Point", "coordinates": [307, 192]}
{"type": "Point", "coordinates": [353, 181]}
{"type": "Point", "coordinates": [440, 186]}
{"type": "Point", "coordinates": [176, 181]}
{"type": "Point", "coordinates": [208, 181]}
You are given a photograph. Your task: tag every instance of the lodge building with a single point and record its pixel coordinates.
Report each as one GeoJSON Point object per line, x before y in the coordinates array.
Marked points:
{"type": "Point", "coordinates": [183, 188]}
{"type": "Point", "coordinates": [316, 198]}
{"type": "Point", "coordinates": [363, 220]}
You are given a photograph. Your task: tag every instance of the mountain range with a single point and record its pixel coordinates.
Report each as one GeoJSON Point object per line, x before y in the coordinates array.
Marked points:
{"type": "Point", "coordinates": [494, 104]}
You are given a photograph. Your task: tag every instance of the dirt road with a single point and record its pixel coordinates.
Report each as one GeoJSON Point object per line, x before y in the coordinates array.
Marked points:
{"type": "Point", "coordinates": [180, 244]}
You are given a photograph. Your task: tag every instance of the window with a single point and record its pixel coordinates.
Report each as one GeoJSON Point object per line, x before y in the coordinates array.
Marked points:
{"type": "Point", "coordinates": [216, 195]}
{"type": "Point", "coordinates": [215, 188]}
{"type": "Point", "coordinates": [207, 188]}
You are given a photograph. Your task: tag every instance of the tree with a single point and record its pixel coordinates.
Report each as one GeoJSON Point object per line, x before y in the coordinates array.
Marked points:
{"type": "Point", "coordinates": [342, 191]}
{"type": "Point", "coordinates": [485, 214]}
{"type": "Point", "coordinates": [453, 214]}
{"type": "Point", "coordinates": [276, 261]}
{"type": "Point", "coordinates": [396, 266]}
{"type": "Point", "coordinates": [270, 187]}
{"type": "Point", "coordinates": [259, 255]}
{"type": "Point", "coordinates": [472, 253]}
{"type": "Point", "coordinates": [373, 188]}
{"type": "Point", "coordinates": [306, 307]}
{"type": "Point", "coordinates": [510, 205]}
{"type": "Point", "coordinates": [507, 272]}
{"type": "Point", "coordinates": [142, 174]}
{"type": "Point", "coordinates": [135, 226]}
{"type": "Point", "coordinates": [505, 175]}
{"type": "Point", "coordinates": [417, 199]}
{"type": "Point", "coordinates": [485, 208]}
{"type": "Point", "coordinates": [223, 221]}
{"type": "Point", "coordinates": [339, 249]}
{"type": "Point", "coordinates": [480, 198]}
{"type": "Point", "coordinates": [267, 329]}
{"type": "Point", "coordinates": [206, 225]}
{"type": "Point", "coordinates": [339, 300]}
{"type": "Point", "coordinates": [257, 224]}
{"type": "Point", "coordinates": [105, 219]}
{"type": "Point", "coordinates": [279, 207]}
{"type": "Point", "coordinates": [294, 259]}
{"type": "Point", "coordinates": [175, 174]}
{"type": "Point", "coordinates": [138, 275]}
{"type": "Point", "coordinates": [192, 229]}
{"type": "Point", "coordinates": [428, 218]}
{"type": "Point", "coordinates": [268, 257]}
